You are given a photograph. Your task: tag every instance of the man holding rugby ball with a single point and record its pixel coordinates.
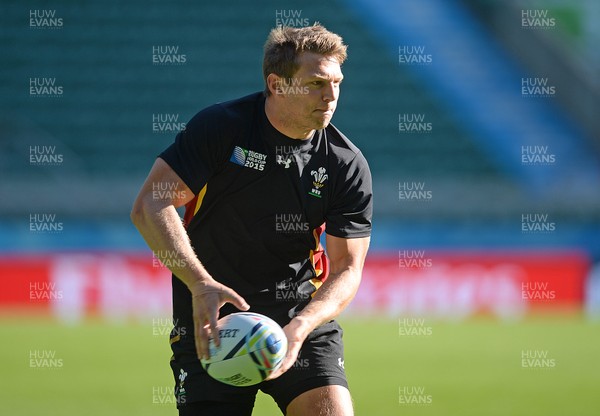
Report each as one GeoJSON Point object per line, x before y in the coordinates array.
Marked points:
{"type": "Point", "coordinates": [261, 178]}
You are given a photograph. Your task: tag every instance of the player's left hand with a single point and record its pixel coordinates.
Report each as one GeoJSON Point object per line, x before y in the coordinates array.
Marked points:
{"type": "Point", "coordinates": [295, 333]}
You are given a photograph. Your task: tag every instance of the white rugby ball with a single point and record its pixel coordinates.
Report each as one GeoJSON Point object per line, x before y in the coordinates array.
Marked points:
{"type": "Point", "coordinates": [252, 347]}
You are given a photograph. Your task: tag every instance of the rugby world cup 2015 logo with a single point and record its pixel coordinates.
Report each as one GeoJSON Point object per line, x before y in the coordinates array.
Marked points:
{"type": "Point", "coordinates": [320, 176]}
{"type": "Point", "coordinates": [248, 158]}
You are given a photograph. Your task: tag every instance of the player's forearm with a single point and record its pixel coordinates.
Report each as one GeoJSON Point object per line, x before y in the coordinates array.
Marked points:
{"type": "Point", "coordinates": [331, 299]}
{"type": "Point", "coordinates": [161, 228]}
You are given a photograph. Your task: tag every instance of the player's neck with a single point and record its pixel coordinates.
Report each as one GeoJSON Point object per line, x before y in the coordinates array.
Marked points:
{"type": "Point", "coordinates": [279, 123]}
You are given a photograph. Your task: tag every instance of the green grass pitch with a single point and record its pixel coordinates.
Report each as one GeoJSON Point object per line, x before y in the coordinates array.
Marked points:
{"type": "Point", "coordinates": [470, 368]}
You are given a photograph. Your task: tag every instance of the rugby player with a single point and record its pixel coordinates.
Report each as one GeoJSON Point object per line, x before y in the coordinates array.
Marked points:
{"type": "Point", "coordinates": [261, 178]}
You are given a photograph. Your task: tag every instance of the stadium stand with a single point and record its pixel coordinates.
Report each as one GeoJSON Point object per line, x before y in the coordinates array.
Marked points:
{"type": "Point", "coordinates": [102, 124]}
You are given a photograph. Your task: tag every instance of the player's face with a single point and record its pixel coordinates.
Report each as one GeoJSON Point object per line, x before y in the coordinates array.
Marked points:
{"type": "Point", "coordinates": [310, 96]}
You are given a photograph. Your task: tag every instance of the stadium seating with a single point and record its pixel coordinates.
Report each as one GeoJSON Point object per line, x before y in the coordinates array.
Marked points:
{"type": "Point", "coordinates": [102, 56]}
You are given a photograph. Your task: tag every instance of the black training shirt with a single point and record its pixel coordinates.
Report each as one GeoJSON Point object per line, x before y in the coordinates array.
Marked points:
{"type": "Point", "coordinates": [262, 202]}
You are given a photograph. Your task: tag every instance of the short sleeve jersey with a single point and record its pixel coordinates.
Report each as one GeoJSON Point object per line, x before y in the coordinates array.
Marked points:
{"type": "Point", "coordinates": [262, 201]}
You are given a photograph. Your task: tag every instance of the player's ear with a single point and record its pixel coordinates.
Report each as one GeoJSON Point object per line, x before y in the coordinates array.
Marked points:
{"type": "Point", "coordinates": [274, 84]}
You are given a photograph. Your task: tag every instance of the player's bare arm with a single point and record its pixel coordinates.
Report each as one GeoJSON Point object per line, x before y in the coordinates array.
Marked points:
{"type": "Point", "coordinates": [160, 225]}
{"type": "Point", "coordinates": [347, 257]}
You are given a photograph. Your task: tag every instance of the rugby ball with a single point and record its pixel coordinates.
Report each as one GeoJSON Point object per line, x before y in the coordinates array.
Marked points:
{"type": "Point", "coordinates": [252, 347]}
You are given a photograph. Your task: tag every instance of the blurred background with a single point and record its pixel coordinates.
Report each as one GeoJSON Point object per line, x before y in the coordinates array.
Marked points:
{"type": "Point", "coordinates": [480, 121]}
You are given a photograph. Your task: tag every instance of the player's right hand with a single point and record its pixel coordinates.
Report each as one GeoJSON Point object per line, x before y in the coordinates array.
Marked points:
{"type": "Point", "coordinates": [208, 296]}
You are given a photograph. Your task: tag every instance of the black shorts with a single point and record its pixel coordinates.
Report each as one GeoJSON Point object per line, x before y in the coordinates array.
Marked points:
{"type": "Point", "coordinates": [320, 363]}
